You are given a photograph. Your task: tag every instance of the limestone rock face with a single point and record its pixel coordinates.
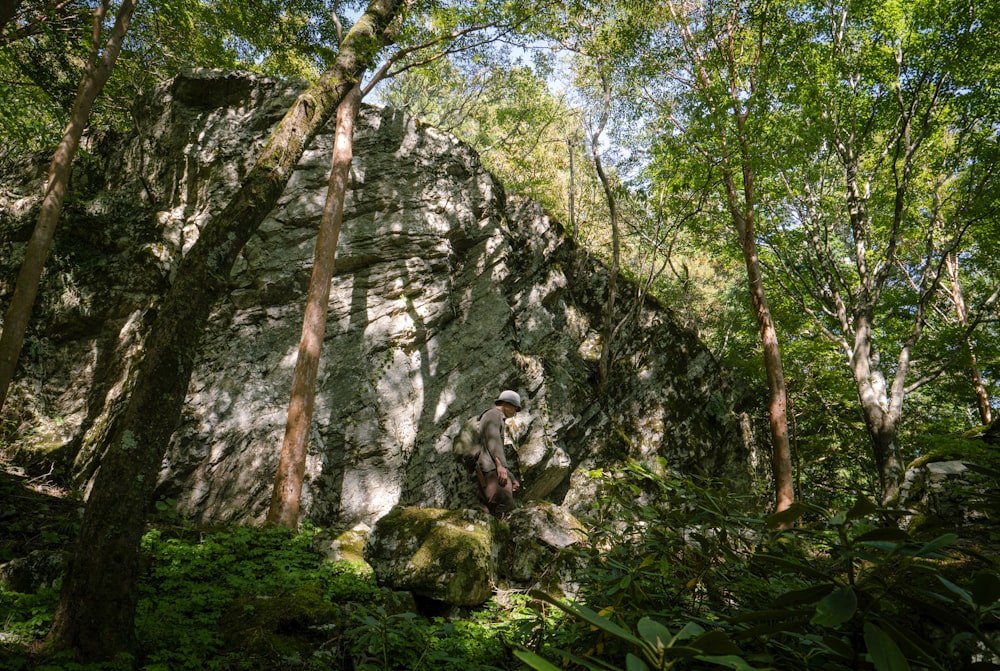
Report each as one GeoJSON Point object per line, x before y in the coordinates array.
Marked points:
{"type": "Point", "coordinates": [447, 290]}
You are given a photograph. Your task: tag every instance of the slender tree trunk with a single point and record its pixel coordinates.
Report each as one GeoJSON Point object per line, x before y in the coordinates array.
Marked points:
{"type": "Point", "coordinates": [96, 611]}
{"type": "Point", "coordinates": [285, 500]}
{"type": "Point", "coordinates": [976, 377]}
{"type": "Point", "coordinates": [572, 190]}
{"type": "Point", "coordinates": [99, 68]}
{"type": "Point", "coordinates": [608, 326]}
{"type": "Point", "coordinates": [777, 410]}
{"type": "Point", "coordinates": [736, 160]}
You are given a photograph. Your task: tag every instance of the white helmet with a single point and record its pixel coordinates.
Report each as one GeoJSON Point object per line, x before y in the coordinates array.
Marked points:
{"type": "Point", "coordinates": [508, 396]}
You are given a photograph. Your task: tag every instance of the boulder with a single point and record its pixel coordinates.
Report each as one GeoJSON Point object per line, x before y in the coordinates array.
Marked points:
{"type": "Point", "coordinates": [347, 546]}
{"type": "Point", "coordinates": [40, 569]}
{"type": "Point", "coordinates": [539, 532]}
{"type": "Point", "coordinates": [444, 555]}
{"type": "Point", "coordinates": [949, 495]}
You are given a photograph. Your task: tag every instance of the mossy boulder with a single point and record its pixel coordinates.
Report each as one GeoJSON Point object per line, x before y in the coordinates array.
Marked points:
{"type": "Point", "coordinates": [446, 555]}
{"type": "Point", "coordinates": [346, 546]}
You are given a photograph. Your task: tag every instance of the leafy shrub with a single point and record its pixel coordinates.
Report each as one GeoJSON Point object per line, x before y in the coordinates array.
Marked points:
{"type": "Point", "coordinates": [27, 616]}
{"type": "Point", "coordinates": [249, 598]}
{"type": "Point", "coordinates": [680, 578]}
{"type": "Point", "coordinates": [854, 593]}
{"type": "Point", "coordinates": [667, 552]}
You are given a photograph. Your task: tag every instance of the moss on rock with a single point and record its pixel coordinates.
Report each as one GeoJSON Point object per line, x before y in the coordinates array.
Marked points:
{"type": "Point", "coordinates": [447, 555]}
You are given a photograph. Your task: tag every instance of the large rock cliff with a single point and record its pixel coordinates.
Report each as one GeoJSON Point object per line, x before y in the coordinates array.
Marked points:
{"type": "Point", "coordinates": [446, 291]}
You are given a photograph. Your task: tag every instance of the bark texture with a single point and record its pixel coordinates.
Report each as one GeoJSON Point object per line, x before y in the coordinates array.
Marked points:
{"type": "Point", "coordinates": [285, 500]}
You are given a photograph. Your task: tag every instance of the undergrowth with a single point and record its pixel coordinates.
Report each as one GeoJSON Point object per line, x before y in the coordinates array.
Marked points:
{"type": "Point", "coordinates": [675, 574]}
{"type": "Point", "coordinates": [679, 577]}
{"type": "Point", "coordinates": [244, 598]}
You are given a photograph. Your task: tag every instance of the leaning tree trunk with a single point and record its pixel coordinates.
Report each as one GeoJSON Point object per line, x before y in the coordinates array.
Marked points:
{"type": "Point", "coordinates": [96, 611]}
{"type": "Point", "coordinates": [99, 68]}
{"type": "Point", "coordinates": [285, 499]}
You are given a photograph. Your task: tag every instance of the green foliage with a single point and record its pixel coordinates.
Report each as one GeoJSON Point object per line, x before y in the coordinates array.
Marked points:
{"type": "Point", "coordinates": [841, 590]}
{"type": "Point", "coordinates": [653, 645]}
{"type": "Point", "coordinates": [184, 593]}
{"type": "Point", "coordinates": [27, 616]}
{"type": "Point", "coordinates": [41, 63]}
{"type": "Point", "coordinates": [504, 109]}
{"type": "Point", "coordinates": [854, 590]}
{"type": "Point", "coordinates": [250, 598]}
{"type": "Point", "coordinates": [382, 641]}
{"type": "Point", "coordinates": [665, 552]}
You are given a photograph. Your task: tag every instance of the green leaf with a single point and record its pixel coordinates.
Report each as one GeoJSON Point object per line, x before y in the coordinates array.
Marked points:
{"type": "Point", "coordinates": [801, 596]}
{"type": "Point", "coordinates": [861, 508]}
{"type": "Point", "coordinates": [934, 547]}
{"type": "Point", "coordinates": [689, 631]}
{"type": "Point", "coordinates": [730, 662]}
{"type": "Point", "coordinates": [803, 569]}
{"type": "Point", "coordinates": [773, 615]}
{"type": "Point", "coordinates": [962, 594]}
{"type": "Point", "coordinates": [883, 534]}
{"type": "Point", "coordinates": [884, 653]}
{"type": "Point", "coordinates": [654, 633]}
{"type": "Point", "coordinates": [836, 608]}
{"type": "Point", "coordinates": [591, 617]}
{"type": "Point", "coordinates": [985, 588]}
{"type": "Point", "coordinates": [681, 652]}
{"type": "Point", "coordinates": [633, 663]}
{"type": "Point", "coordinates": [838, 646]}
{"type": "Point", "coordinates": [534, 661]}
{"type": "Point", "coordinates": [789, 515]}
{"type": "Point", "coordinates": [913, 645]}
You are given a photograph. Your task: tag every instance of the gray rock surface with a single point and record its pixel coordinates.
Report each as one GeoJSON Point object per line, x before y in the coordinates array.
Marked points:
{"type": "Point", "coordinates": [447, 290]}
{"type": "Point", "coordinates": [539, 532]}
{"type": "Point", "coordinates": [946, 495]}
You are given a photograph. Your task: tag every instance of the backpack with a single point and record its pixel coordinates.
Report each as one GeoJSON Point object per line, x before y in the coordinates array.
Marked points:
{"type": "Point", "coordinates": [465, 445]}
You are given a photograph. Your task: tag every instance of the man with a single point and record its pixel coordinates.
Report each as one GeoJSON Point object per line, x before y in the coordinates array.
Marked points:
{"type": "Point", "coordinates": [496, 484]}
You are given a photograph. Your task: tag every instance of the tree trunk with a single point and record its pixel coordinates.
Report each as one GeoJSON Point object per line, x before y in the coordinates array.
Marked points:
{"type": "Point", "coordinates": [284, 510]}
{"type": "Point", "coordinates": [976, 377]}
{"type": "Point", "coordinates": [777, 410]}
{"type": "Point", "coordinates": [735, 158]}
{"type": "Point", "coordinates": [99, 68]}
{"type": "Point", "coordinates": [881, 410]}
{"type": "Point", "coordinates": [608, 325]}
{"type": "Point", "coordinates": [96, 611]}
{"type": "Point", "coordinates": [572, 191]}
